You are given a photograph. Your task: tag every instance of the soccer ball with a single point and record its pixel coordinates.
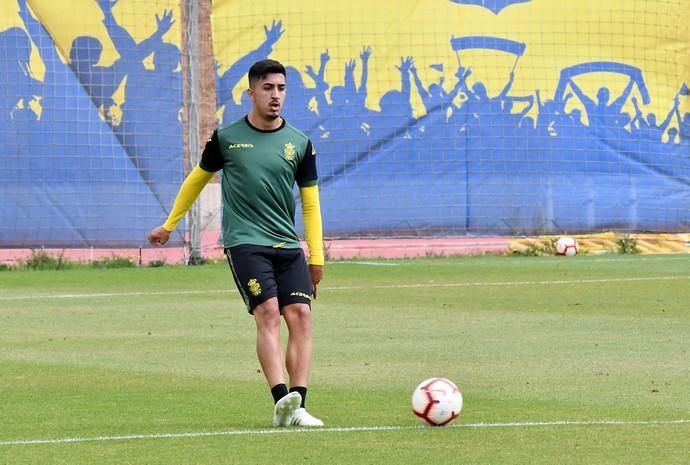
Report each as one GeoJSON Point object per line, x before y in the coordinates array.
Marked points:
{"type": "Point", "coordinates": [437, 401]}
{"type": "Point", "coordinates": [567, 246]}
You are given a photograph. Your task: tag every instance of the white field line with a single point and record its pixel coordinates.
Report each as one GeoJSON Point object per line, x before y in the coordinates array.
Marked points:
{"type": "Point", "coordinates": [349, 288]}
{"type": "Point", "coordinates": [352, 429]}
{"type": "Point", "coordinates": [516, 261]}
{"type": "Point", "coordinates": [365, 263]}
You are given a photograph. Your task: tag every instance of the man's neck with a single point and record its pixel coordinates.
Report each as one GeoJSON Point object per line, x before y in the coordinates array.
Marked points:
{"type": "Point", "coordinates": [264, 124]}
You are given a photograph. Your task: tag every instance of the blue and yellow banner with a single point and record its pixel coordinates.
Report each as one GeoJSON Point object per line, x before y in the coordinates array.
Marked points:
{"type": "Point", "coordinates": [456, 116]}
{"type": "Point", "coordinates": [91, 141]}
{"type": "Point", "coordinates": [429, 117]}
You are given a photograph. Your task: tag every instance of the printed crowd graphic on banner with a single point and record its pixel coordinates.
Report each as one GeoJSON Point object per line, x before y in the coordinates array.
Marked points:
{"type": "Point", "coordinates": [429, 117]}
{"type": "Point", "coordinates": [78, 166]}
{"type": "Point", "coordinates": [453, 143]}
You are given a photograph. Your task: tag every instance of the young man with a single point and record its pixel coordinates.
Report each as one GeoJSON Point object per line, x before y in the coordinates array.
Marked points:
{"type": "Point", "coordinates": [262, 156]}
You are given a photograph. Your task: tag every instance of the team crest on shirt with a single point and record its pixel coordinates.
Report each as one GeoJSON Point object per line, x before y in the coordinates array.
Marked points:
{"type": "Point", "coordinates": [254, 287]}
{"type": "Point", "coordinates": [289, 152]}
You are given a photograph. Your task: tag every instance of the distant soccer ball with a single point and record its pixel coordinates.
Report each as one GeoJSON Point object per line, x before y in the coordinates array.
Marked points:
{"type": "Point", "coordinates": [437, 401]}
{"type": "Point", "coordinates": [567, 246]}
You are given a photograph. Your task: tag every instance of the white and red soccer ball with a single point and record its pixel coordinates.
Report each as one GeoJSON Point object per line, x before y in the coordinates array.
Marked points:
{"type": "Point", "coordinates": [567, 246]}
{"type": "Point", "coordinates": [437, 401]}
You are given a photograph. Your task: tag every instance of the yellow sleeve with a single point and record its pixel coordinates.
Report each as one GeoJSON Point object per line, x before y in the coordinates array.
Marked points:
{"type": "Point", "coordinates": [189, 191]}
{"type": "Point", "coordinates": [311, 217]}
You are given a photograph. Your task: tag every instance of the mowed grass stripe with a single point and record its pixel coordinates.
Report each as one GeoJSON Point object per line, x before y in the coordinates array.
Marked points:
{"type": "Point", "coordinates": [351, 288]}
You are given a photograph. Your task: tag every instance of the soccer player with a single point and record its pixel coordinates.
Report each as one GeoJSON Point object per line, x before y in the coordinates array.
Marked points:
{"type": "Point", "coordinates": [262, 156]}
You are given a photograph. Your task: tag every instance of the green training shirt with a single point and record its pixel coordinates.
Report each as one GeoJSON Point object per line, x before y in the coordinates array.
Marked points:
{"type": "Point", "coordinates": [260, 169]}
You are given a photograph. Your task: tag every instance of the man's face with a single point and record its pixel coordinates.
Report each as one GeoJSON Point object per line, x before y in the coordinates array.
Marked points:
{"type": "Point", "coordinates": [268, 95]}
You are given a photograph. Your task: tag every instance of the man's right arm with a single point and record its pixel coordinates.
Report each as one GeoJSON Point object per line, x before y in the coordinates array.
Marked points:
{"type": "Point", "coordinates": [188, 193]}
{"type": "Point", "coordinates": [190, 189]}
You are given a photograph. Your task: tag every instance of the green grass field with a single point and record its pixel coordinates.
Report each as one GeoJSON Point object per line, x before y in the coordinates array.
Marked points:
{"type": "Point", "coordinates": [581, 360]}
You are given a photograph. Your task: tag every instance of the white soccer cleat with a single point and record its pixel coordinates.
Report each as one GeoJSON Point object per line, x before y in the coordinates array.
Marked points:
{"type": "Point", "coordinates": [303, 418]}
{"type": "Point", "coordinates": [285, 409]}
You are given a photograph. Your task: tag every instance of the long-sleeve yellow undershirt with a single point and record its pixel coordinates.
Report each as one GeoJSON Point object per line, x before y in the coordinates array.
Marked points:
{"type": "Point", "coordinates": [188, 193]}
{"type": "Point", "coordinates": [311, 217]}
{"type": "Point", "coordinates": [309, 196]}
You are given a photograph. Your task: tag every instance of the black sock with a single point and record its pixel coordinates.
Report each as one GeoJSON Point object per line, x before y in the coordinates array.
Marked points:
{"type": "Point", "coordinates": [302, 392]}
{"type": "Point", "coordinates": [278, 392]}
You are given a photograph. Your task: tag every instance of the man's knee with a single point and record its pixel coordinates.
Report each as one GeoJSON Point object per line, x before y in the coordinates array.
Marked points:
{"type": "Point", "coordinates": [298, 316]}
{"type": "Point", "coordinates": [267, 315]}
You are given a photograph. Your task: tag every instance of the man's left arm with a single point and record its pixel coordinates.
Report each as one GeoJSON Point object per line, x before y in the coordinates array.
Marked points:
{"type": "Point", "coordinates": [307, 180]}
{"type": "Point", "coordinates": [313, 229]}
{"type": "Point", "coordinates": [311, 217]}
